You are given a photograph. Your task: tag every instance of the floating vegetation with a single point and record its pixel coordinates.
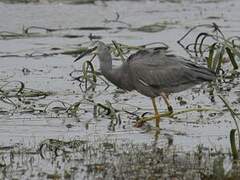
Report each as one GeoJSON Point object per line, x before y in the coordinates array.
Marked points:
{"type": "Point", "coordinates": [108, 110]}
{"type": "Point", "coordinates": [93, 28]}
{"type": "Point", "coordinates": [157, 27]}
{"type": "Point", "coordinates": [17, 89]}
{"type": "Point", "coordinates": [10, 35]}
{"type": "Point", "coordinates": [38, 31]}
{"type": "Point", "coordinates": [50, 1]}
{"type": "Point", "coordinates": [16, 98]}
{"type": "Point", "coordinates": [55, 145]}
{"type": "Point", "coordinates": [15, 94]}
{"type": "Point", "coordinates": [61, 107]}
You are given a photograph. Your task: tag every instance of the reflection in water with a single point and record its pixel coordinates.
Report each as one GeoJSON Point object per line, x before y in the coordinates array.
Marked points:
{"type": "Point", "coordinates": [102, 159]}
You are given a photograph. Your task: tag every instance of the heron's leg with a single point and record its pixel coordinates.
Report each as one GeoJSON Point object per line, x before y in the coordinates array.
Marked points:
{"type": "Point", "coordinates": [157, 115]}
{"type": "Point", "coordinates": [165, 98]}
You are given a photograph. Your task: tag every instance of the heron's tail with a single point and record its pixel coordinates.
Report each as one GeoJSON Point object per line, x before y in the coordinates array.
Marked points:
{"type": "Point", "coordinates": [201, 73]}
{"type": "Point", "coordinates": [205, 74]}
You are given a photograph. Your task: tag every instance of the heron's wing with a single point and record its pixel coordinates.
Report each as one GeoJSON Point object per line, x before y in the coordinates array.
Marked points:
{"type": "Point", "coordinates": [167, 72]}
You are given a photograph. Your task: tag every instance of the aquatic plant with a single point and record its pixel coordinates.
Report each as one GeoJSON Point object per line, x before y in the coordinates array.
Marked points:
{"type": "Point", "coordinates": [236, 118]}
{"type": "Point", "coordinates": [17, 96]}
{"type": "Point", "coordinates": [213, 46]}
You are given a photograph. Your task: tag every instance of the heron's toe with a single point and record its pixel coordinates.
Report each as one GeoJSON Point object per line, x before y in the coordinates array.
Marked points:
{"type": "Point", "coordinates": [139, 124]}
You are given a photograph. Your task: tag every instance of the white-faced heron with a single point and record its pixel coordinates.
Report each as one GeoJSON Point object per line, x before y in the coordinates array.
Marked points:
{"type": "Point", "coordinates": [153, 73]}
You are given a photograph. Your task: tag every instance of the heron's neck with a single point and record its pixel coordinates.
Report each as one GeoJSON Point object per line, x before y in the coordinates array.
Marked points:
{"type": "Point", "coordinates": [105, 63]}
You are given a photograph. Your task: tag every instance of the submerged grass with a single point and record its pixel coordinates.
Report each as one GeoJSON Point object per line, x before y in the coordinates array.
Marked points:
{"type": "Point", "coordinates": [17, 89]}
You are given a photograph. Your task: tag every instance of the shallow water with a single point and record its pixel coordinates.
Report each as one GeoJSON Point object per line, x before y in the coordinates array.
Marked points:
{"type": "Point", "coordinates": [22, 59]}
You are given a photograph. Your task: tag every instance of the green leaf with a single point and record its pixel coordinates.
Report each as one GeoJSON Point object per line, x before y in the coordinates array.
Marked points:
{"type": "Point", "coordinates": [210, 56]}
{"type": "Point", "coordinates": [74, 108]}
{"type": "Point", "coordinates": [233, 144]}
{"type": "Point", "coordinates": [219, 64]}
{"type": "Point", "coordinates": [89, 69]}
{"type": "Point", "coordinates": [232, 58]}
{"type": "Point", "coordinates": [217, 60]}
{"type": "Point", "coordinates": [119, 50]}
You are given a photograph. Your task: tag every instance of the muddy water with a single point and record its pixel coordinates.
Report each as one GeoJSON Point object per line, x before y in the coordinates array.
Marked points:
{"type": "Point", "coordinates": [25, 128]}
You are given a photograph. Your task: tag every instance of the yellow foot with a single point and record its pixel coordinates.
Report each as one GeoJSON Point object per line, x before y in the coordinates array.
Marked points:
{"type": "Point", "coordinates": [171, 114]}
{"type": "Point", "coordinates": [141, 121]}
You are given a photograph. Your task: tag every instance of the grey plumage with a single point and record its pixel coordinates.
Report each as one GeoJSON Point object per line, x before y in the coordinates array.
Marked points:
{"type": "Point", "coordinates": [151, 72]}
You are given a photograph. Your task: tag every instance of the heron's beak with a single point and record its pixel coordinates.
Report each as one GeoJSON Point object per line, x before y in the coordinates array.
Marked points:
{"type": "Point", "coordinates": [88, 51]}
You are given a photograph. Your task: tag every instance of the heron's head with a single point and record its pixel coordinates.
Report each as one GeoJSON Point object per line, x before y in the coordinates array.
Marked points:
{"type": "Point", "coordinates": [99, 48]}
{"type": "Point", "coordinates": [102, 50]}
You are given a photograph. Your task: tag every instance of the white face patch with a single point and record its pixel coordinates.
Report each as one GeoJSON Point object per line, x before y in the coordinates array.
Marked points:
{"type": "Point", "coordinates": [144, 83]}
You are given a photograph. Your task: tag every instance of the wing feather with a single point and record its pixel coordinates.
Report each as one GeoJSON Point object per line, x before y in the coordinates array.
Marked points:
{"type": "Point", "coordinates": [167, 72]}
